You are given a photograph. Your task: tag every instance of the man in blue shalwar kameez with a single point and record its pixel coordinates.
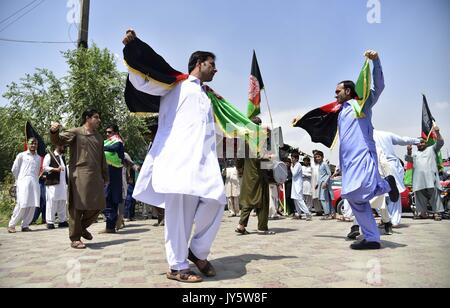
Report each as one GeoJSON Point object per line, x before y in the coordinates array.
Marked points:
{"type": "Point", "coordinates": [361, 180]}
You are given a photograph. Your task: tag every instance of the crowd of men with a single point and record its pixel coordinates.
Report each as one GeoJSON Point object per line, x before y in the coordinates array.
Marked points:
{"type": "Point", "coordinates": [181, 174]}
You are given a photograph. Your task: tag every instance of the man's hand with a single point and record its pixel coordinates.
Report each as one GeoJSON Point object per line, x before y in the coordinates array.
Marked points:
{"type": "Point", "coordinates": [371, 54]}
{"type": "Point", "coordinates": [295, 120]}
{"type": "Point", "coordinates": [436, 129]}
{"type": "Point", "coordinates": [130, 36]}
{"type": "Point", "coordinates": [325, 186]}
{"type": "Point", "coordinates": [55, 127]}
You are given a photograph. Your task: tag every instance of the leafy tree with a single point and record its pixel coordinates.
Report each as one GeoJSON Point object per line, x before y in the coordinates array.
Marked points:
{"type": "Point", "coordinates": [92, 81]}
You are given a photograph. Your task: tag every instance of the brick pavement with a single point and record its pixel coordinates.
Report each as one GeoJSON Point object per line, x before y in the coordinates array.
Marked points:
{"type": "Point", "coordinates": [301, 254]}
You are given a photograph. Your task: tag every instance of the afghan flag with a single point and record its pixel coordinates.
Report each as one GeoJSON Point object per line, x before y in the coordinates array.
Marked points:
{"type": "Point", "coordinates": [427, 130]}
{"type": "Point", "coordinates": [408, 178]}
{"type": "Point", "coordinates": [146, 66]}
{"type": "Point", "coordinates": [149, 72]}
{"type": "Point", "coordinates": [322, 123]}
{"type": "Point", "coordinates": [255, 88]}
{"type": "Point", "coordinates": [362, 87]}
{"type": "Point", "coordinates": [427, 123]}
{"type": "Point", "coordinates": [30, 132]}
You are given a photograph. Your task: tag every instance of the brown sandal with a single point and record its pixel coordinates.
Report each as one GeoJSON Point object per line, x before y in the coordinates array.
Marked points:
{"type": "Point", "coordinates": [204, 266]}
{"type": "Point", "coordinates": [184, 276]}
{"type": "Point", "coordinates": [78, 245]}
{"type": "Point", "coordinates": [242, 231]}
{"type": "Point", "coordinates": [437, 217]}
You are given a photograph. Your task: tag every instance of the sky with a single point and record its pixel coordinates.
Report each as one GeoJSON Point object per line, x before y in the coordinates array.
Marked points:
{"type": "Point", "coordinates": [304, 49]}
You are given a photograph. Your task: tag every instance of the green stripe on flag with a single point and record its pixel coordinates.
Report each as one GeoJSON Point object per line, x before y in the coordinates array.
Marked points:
{"type": "Point", "coordinates": [363, 86]}
{"type": "Point", "coordinates": [252, 110]}
{"type": "Point", "coordinates": [235, 124]}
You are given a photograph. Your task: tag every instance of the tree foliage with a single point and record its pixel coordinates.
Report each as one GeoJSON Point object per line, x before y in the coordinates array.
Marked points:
{"type": "Point", "coordinates": [92, 81]}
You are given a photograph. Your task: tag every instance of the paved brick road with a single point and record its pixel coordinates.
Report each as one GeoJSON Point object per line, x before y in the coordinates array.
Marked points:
{"type": "Point", "coordinates": [301, 254]}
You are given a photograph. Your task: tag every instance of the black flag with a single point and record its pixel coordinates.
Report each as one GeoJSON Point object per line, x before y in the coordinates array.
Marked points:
{"type": "Point", "coordinates": [427, 120]}
{"type": "Point", "coordinates": [29, 133]}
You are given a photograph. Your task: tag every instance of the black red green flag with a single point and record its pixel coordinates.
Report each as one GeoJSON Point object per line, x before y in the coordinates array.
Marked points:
{"type": "Point", "coordinates": [31, 132]}
{"type": "Point", "coordinates": [427, 122]}
{"type": "Point", "coordinates": [427, 130]}
{"type": "Point", "coordinates": [255, 88]}
{"type": "Point", "coordinates": [144, 61]}
{"type": "Point", "coordinates": [321, 123]}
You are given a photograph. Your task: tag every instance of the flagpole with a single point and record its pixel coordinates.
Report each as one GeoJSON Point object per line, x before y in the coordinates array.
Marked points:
{"type": "Point", "coordinates": [268, 108]}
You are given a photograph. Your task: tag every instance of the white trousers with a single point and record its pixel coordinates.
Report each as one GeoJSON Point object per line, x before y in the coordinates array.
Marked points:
{"type": "Point", "coordinates": [300, 206]}
{"type": "Point", "coordinates": [233, 205]}
{"type": "Point", "coordinates": [24, 215]}
{"type": "Point", "coordinates": [56, 207]}
{"type": "Point", "coordinates": [395, 211]}
{"type": "Point", "coordinates": [378, 203]}
{"type": "Point", "coordinates": [182, 212]}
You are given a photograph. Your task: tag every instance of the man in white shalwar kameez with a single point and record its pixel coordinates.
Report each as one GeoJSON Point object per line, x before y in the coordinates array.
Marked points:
{"type": "Point", "coordinates": [181, 171]}
{"type": "Point", "coordinates": [378, 203]}
{"type": "Point", "coordinates": [232, 189]}
{"type": "Point", "coordinates": [426, 182]}
{"type": "Point", "coordinates": [297, 188]}
{"type": "Point", "coordinates": [56, 188]}
{"type": "Point", "coordinates": [26, 169]}
{"type": "Point", "coordinates": [386, 141]}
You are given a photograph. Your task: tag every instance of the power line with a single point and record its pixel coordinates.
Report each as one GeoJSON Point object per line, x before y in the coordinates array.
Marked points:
{"type": "Point", "coordinates": [36, 42]}
{"type": "Point", "coordinates": [18, 18]}
{"type": "Point", "coordinates": [18, 11]}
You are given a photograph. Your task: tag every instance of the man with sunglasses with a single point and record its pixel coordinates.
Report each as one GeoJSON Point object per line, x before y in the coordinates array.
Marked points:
{"type": "Point", "coordinates": [115, 154]}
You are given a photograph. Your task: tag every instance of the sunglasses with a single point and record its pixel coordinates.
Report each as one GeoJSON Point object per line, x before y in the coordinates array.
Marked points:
{"type": "Point", "coordinates": [109, 132]}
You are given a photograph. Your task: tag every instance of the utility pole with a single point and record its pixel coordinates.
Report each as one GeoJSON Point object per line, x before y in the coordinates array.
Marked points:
{"type": "Point", "coordinates": [84, 25]}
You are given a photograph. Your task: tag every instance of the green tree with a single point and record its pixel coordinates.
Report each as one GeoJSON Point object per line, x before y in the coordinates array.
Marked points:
{"type": "Point", "coordinates": [92, 81]}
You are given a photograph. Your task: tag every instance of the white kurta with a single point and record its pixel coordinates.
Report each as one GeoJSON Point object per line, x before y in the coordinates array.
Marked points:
{"type": "Point", "coordinates": [26, 169]}
{"type": "Point", "coordinates": [232, 185]}
{"type": "Point", "coordinates": [297, 182]}
{"type": "Point", "coordinates": [56, 192]}
{"type": "Point", "coordinates": [386, 141]}
{"type": "Point", "coordinates": [183, 158]}
{"type": "Point", "coordinates": [314, 182]}
{"type": "Point", "coordinates": [307, 174]}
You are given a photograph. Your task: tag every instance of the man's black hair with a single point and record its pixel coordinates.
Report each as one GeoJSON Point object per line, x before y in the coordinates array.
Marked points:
{"type": "Point", "coordinates": [88, 114]}
{"type": "Point", "coordinates": [348, 84]}
{"type": "Point", "coordinates": [114, 127]}
{"type": "Point", "coordinates": [199, 57]}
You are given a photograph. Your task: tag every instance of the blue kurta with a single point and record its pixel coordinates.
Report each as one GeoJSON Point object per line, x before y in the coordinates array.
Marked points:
{"type": "Point", "coordinates": [361, 180]}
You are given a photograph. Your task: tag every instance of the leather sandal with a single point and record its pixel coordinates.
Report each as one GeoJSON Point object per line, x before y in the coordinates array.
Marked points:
{"type": "Point", "coordinates": [242, 231]}
{"type": "Point", "coordinates": [186, 276]}
{"type": "Point", "coordinates": [204, 266]}
{"type": "Point", "coordinates": [78, 245]}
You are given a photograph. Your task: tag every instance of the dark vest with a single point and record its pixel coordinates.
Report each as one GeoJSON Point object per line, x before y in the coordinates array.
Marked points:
{"type": "Point", "coordinates": [53, 177]}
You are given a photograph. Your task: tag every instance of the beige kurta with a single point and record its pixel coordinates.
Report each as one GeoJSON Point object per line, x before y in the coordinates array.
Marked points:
{"type": "Point", "coordinates": [88, 171]}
